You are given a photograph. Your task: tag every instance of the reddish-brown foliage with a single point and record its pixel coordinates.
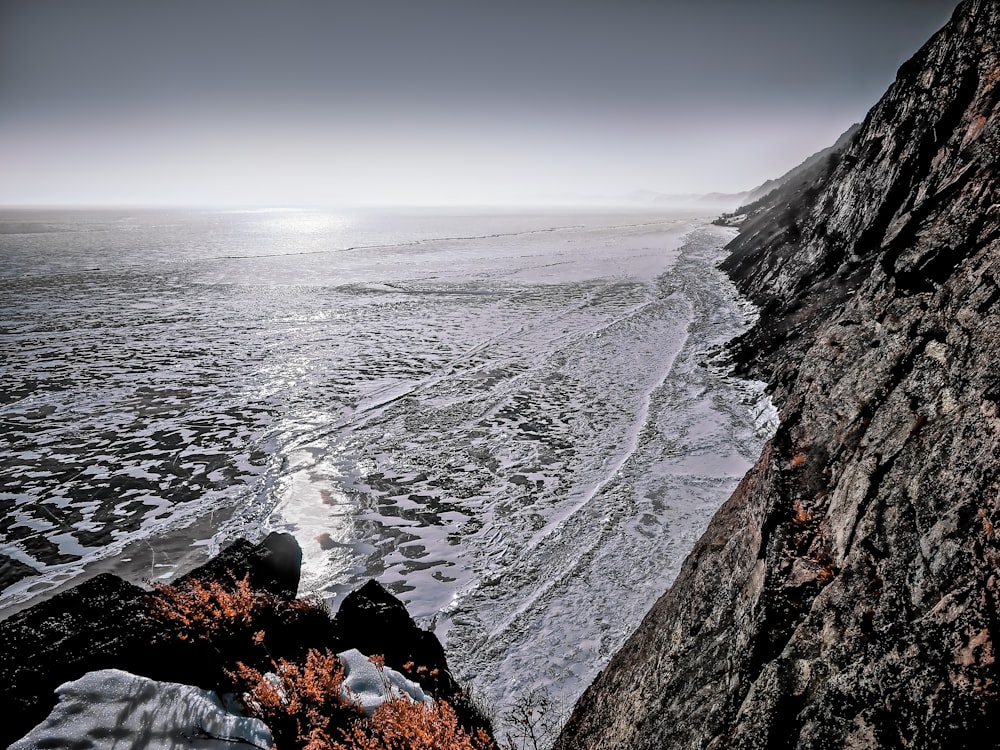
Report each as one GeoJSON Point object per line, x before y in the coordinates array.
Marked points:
{"type": "Point", "coordinates": [988, 528]}
{"type": "Point", "coordinates": [199, 610]}
{"type": "Point", "coordinates": [802, 516]}
{"type": "Point", "coordinates": [826, 574]}
{"type": "Point", "coordinates": [303, 706]}
{"type": "Point", "coordinates": [300, 702]}
{"type": "Point", "coordinates": [402, 725]}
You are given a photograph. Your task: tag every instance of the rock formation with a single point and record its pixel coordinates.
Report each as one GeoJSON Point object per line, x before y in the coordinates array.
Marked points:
{"type": "Point", "coordinates": [846, 594]}
{"type": "Point", "coordinates": [758, 197]}
{"type": "Point", "coordinates": [106, 623]}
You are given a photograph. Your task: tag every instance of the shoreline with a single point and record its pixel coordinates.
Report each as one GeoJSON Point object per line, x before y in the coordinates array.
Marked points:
{"type": "Point", "coordinates": [666, 487]}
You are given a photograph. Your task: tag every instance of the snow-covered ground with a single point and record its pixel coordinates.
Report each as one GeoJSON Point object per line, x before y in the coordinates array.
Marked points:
{"type": "Point", "coordinates": [112, 709]}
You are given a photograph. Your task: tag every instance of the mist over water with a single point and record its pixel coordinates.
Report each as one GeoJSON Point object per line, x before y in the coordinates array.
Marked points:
{"type": "Point", "coordinates": [392, 103]}
{"type": "Point", "coordinates": [507, 418]}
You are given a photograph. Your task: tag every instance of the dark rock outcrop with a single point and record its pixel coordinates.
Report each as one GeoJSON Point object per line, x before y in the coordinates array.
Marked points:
{"type": "Point", "coordinates": [375, 622]}
{"type": "Point", "coordinates": [101, 622]}
{"type": "Point", "coordinates": [107, 623]}
{"type": "Point", "coordinates": [273, 566]}
{"type": "Point", "coordinates": [846, 595]}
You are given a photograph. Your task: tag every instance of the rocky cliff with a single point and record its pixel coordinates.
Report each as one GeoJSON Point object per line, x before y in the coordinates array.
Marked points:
{"type": "Point", "coordinates": [846, 595]}
{"type": "Point", "coordinates": [759, 197]}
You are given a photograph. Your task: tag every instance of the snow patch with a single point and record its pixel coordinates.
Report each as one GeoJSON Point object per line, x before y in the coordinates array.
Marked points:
{"type": "Point", "coordinates": [114, 709]}
{"type": "Point", "coordinates": [370, 686]}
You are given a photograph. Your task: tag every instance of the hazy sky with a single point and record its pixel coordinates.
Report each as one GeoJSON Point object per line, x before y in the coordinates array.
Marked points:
{"type": "Point", "coordinates": [430, 101]}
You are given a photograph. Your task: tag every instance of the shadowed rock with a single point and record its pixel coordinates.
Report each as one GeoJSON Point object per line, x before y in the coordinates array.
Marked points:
{"type": "Point", "coordinates": [106, 623]}
{"type": "Point", "coordinates": [99, 624]}
{"type": "Point", "coordinates": [274, 565]}
{"type": "Point", "coordinates": [375, 622]}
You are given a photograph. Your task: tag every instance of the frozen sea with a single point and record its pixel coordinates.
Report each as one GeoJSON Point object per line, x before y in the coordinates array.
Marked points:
{"type": "Point", "coordinates": [517, 421]}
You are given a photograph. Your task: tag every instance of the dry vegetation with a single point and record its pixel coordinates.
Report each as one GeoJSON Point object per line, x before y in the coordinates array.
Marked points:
{"type": "Point", "coordinates": [402, 725]}
{"type": "Point", "coordinates": [302, 702]}
{"type": "Point", "coordinates": [298, 701]}
{"type": "Point", "coordinates": [305, 708]}
{"type": "Point", "coordinates": [211, 611]}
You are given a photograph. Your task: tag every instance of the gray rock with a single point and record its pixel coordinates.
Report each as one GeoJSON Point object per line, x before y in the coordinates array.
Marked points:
{"type": "Point", "coordinates": [846, 595]}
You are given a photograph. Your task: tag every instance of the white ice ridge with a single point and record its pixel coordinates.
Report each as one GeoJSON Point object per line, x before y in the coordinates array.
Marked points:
{"type": "Point", "coordinates": [114, 709]}
{"type": "Point", "coordinates": [370, 686]}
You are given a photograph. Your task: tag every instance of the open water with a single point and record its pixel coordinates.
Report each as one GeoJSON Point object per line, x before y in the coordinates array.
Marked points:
{"type": "Point", "coordinates": [512, 420]}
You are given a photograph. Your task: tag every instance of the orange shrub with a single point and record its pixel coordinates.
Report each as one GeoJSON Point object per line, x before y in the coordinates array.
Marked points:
{"type": "Point", "coordinates": [301, 703]}
{"type": "Point", "coordinates": [401, 725]}
{"type": "Point", "coordinates": [198, 610]}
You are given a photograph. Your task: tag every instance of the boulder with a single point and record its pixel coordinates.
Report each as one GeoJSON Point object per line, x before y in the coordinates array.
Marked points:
{"type": "Point", "coordinates": [274, 565]}
{"type": "Point", "coordinates": [376, 623]}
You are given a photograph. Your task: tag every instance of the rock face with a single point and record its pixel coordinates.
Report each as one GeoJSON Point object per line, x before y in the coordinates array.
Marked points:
{"type": "Point", "coordinates": [759, 195]}
{"type": "Point", "coordinates": [846, 595]}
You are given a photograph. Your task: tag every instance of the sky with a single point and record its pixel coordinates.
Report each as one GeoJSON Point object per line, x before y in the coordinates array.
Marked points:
{"type": "Point", "coordinates": [367, 102]}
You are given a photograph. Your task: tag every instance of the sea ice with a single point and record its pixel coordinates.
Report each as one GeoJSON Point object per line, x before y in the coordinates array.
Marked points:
{"type": "Point", "coordinates": [507, 420]}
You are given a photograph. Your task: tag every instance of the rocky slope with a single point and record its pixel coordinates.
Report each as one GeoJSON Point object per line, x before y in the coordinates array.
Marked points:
{"type": "Point", "coordinates": [846, 595]}
{"type": "Point", "coordinates": [803, 172]}
{"type": "Point", "coordinates": [107, 623]}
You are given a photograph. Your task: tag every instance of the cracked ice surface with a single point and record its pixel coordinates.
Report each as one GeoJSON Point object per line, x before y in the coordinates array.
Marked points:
{"type": "Point", "coordinates": [506, 419]}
